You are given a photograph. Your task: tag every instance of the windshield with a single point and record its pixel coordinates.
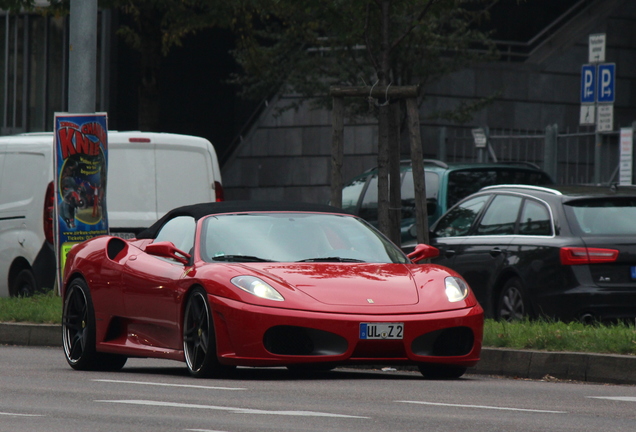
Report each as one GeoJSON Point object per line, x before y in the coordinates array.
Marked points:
{"type": "Point", "coordinates": [605, 216]}
{"type": "Point", "coordinates": [292, 237]}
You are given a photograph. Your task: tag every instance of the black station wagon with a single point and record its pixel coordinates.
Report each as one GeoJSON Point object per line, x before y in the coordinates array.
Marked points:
{"type": "Point", "coordinates": [564, 252]}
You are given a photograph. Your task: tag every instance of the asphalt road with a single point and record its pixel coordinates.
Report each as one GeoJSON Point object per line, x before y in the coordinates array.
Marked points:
{"type": "Point", "coordinates": [40, 392]}
{"type": "Point", "coordinates": [602, 368]}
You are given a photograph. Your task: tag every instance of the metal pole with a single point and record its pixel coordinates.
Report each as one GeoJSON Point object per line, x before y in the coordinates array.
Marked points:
{"type": "Point", "coordinates": [5, 103]}
{"type": "Point", "coordinates": [597, 157]}
{"type": "Point", "coordinates": [82, 56]}
{"type": "Point", "coordinates": [337, 151]}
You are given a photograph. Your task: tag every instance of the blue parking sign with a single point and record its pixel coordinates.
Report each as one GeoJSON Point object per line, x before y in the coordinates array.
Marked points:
{"type": "Point", "coordinates": [588, 84]}
{"type": "Point", "coordinates": [606, 82]}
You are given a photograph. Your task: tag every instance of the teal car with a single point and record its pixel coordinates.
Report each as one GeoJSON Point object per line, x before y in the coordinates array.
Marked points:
{"type": "Point", "coordinates": [446, 184]}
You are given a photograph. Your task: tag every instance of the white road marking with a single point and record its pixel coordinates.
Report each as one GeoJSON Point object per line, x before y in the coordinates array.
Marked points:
{"type": "Point", "coordinates": [230, 409]}
{"type": "Point", "coordinates": [169, 385]}
{"type": "Point", "coordinates": [203, 430]}
{"type": "Point", "coordinates": [616, 398]}
{"type": "Point", "coordinates": [484, 407]}
{"type": "Point", "coordinates": [20, 415]}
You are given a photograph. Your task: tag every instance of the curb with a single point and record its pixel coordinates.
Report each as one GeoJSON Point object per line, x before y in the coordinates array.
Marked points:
{"type": "Point", "coordinates": [524, 364]}
{"type": "Point", "coordinates": [30, 334]}
{"type": "Point", "coordinates": [588, 367]}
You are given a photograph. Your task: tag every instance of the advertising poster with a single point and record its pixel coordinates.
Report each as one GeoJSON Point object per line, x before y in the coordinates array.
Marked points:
{"type": "Point", "coordinates": [626, 156]}
{"type": "Point", "coordinates": [81, 155]}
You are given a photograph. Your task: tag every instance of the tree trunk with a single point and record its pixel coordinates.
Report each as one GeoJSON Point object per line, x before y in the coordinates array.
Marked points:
{"type": "Point", "coordinates": [337, 151]}
{"type": "Point", "coordinates": [417, 161]}
{"type": "Point", "coordinates": [395, 183]}
{"type": "Point", "coordinates": [383, 123]}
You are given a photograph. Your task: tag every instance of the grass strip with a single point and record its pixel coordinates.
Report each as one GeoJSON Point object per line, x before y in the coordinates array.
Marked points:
{"type": "Point", "coordinates": [543, 335]}
{"type": "Point", "coordinates": [40, 309]}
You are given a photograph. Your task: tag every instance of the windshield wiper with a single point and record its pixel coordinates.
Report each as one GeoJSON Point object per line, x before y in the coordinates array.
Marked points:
{"type": "Point", "coordinates": [331, 259]}
{"type": "Point", "coordinates": [239, 258]}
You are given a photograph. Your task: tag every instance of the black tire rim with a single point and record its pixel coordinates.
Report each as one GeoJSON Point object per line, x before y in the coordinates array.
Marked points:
{"type": "Point", "coordinates": [196, 332]}
{"type": "Point", "coordinates": [511, 305]}
{"type": "Point", "coordinates": [75, 322]}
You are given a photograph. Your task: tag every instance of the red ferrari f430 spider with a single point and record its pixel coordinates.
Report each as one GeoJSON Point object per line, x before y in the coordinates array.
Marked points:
{"type": "Point", "coordinates": [305, 286]}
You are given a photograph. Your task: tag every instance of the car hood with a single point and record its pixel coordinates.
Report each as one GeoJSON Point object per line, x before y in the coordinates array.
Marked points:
{"type": "Point", "coordinates": [346, 284]}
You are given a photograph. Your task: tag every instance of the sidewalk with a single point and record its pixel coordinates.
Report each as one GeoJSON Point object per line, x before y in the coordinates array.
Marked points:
{"type": "Point", "coordinates": [600, 368]}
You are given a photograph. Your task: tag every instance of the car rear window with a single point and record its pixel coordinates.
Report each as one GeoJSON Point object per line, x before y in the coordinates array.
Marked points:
{"type": "Point", "coordinates": [606, 216]}
{"type": "Point", "coordinates": [462, 183]}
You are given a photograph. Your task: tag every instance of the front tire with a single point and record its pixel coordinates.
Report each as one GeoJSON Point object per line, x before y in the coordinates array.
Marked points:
{"type": "Point", "coordinates": [78, 332]}
{"type": "Point", "coordinates": [199, 340]}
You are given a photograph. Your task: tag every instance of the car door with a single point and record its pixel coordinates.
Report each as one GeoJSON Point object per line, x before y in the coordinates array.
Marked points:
{"type": "Point", "coordinates": [535, 255]}
{"type": "Point", "coordinates": [482, 255]}
{"type": "Point", "coordinates": [451, 230]}
{"type": "Point", "coordinates": [151, 288]}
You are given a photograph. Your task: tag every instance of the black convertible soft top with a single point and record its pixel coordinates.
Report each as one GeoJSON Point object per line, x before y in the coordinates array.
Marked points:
{"type": "Point", "coordinates": [197, 211]}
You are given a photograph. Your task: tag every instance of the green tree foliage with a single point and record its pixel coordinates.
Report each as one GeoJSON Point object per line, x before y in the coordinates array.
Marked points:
{"type": "Point", "coordinates": [153, 28]}
{"type": "Point", "coordinates": [305, 47]}
{"type": "Point", "coordinates": [311, 45]}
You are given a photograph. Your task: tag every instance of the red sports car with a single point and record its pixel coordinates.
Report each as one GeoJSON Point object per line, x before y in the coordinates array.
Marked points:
{"type": "Point", "coordinates": [306, 286]}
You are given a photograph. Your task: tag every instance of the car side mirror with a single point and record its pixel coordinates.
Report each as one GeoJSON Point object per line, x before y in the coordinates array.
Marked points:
{"type": "Point", "coordinates": [166, 249]}
{"type": "Point", "coordinates": [423, 251]}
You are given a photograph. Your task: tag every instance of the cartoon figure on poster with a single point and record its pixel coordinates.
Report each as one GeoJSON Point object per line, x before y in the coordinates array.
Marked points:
{"type": "Point", "coordinates": [81, 143]}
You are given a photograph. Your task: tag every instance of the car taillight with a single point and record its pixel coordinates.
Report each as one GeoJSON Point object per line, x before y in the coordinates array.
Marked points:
{"type": "Point", "coordinates": [585, 255]}
{"type": "Point", "coordinates": [218, 190]}
{"type": "Point", "coordinates": [49, 202]}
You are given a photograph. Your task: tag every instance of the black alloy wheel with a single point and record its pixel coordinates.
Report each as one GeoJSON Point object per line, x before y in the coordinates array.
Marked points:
{"type": "Point", "coordinates": [512, 304]}
{"type": "Point", "coordinates": [78, 332]}
{"type": "Point", "coordinates": [441, 371]}
{"type": "Point", "coordinates": [199, 341]}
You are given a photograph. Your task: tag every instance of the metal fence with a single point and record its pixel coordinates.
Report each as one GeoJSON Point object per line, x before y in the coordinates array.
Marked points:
{"type": "Point", "coordinates": [572, 161]}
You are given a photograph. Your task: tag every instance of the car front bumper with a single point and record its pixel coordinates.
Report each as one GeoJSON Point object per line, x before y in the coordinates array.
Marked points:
{"type": "Point", "coordinates": [251, 335]}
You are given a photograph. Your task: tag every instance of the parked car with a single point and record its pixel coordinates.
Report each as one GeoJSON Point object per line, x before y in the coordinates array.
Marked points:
{"type": "Point", "coordinates": [446, 183]}
{"type": "Point", "coordinates": [218, 285]}
{"type": "Point", "coordinates": [564, 252]}
{"type": "Point", "coordinates": [149, 173]}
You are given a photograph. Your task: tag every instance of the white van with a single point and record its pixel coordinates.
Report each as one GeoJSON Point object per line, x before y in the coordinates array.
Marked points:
{"type": "Point", "coordinates": [148, 174]}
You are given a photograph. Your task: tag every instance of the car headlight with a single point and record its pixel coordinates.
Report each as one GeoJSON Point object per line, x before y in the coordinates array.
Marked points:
{"type": "Point", "coordinates": [257, 287]}
{"type": "Point", "coordinates": [456, 289]}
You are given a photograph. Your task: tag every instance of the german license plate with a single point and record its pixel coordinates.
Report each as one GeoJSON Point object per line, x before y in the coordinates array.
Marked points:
{"type": "Point", "coordinates": [381, 330]}
{"type": "Point", "coordinates": [633, 271]}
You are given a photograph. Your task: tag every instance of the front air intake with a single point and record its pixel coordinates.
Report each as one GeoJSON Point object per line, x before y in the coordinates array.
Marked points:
{"type": "Point", "coordinates": [303, 341]}
{"type": "Point", "coordinates": [449, 342]}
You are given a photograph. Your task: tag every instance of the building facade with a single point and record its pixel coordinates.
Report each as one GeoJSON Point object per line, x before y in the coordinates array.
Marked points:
{"type": "Point", "coordinates": [537, 81]}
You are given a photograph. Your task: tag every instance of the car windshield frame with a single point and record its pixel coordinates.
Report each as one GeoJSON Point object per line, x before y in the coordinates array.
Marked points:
{"type": "Point", "coordinates": [293, 237]}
